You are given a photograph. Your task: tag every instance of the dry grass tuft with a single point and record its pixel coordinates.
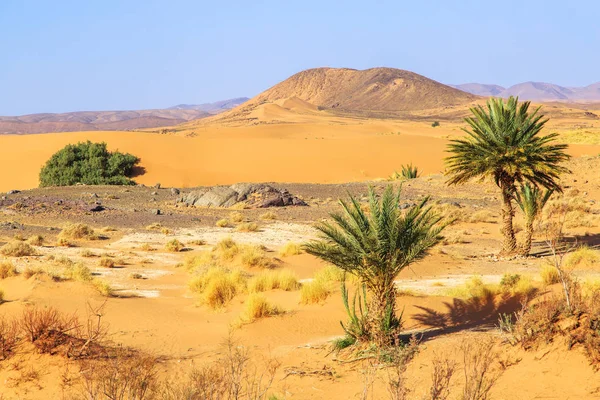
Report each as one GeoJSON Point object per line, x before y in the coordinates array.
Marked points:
{"type": "Point", "coordinates": [583, 257]}
{"type": "Point", "coordinates": [174, 246]}
{"type": "Point", "coordinates": [216, 287]}
{"type": "Point", "coordinates": [549, 274]}
{"type": "Point", "coordinates": [155, 226]}
{"type": "Point", "coordinates": [247, 227]}
{"type": "Point", "coordinates": [103, 287]}
{"type": "Point", "coordinates": [455, 237]}
{"type": "Point", "coordinates": [222, 223]}
{"type": "Point", "coordinates": [474, 288]}
{"type": "Point", "coordinates": [7, 270]}
{"type": "Point", "coordinates": [227, 249]}
{"type": "Point", "coordinates": [17, 249]}
{"type": "Point", "coordinates": [78, 272]}
{"type": "Point", "coordinates": [283, 279]}
{"type": "Point", "coordinates": [254, 256]}
{"type": "Point", "coordinates": [482, 216]}
{"type": "Point", "coordinates": [290, 249]}
{"type": "Point", "coordinates": [62, 242]}
{"type": "Point", "coordinates": [106, 262]}
{"type": "Point", "coordinates": [268, 216]}
{"type": "Point", "coordinates": [236, 217]}
{"type": "Point", "coordinates": [87, 253]}
{"type": "Point", "coordinates": [78, 231]}
{"type": "Point", "coordinates": [257, 306]}
{"type": "Point", "coordinates": [314, 292]}
{"type": "Point", "coordinates": [36, 240]}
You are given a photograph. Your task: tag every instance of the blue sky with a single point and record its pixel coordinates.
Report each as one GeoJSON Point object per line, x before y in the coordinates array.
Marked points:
{"type": "Point", "coordinates": [67, 55]}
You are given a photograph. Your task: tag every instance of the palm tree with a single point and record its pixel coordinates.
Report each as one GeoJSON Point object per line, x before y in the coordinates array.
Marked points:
{"type": "Point", "coordinates": [531, 200]}
{"type": "Point", "coordinates": [375, 246]}
{"type": "Point", "coordinates": [504, 144]}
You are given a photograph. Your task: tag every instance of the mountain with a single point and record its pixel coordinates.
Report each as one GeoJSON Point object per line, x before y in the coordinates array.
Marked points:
{"type": "Point", "coordinates": [212, 108]}
{"type": "Point", "coordinates": [480, 89]}
{"type": "Point", "coordinates": [96, 121]}
{"type": "Point", "coordinates": [536, 91]}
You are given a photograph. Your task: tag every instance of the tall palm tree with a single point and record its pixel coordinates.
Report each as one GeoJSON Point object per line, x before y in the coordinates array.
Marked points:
{"type": "Point", "coordinates": [531, 200]}
{"type": "Point", "coordinates": [375, 246]}
{"type": "Point", "coordinates": [504, 144]}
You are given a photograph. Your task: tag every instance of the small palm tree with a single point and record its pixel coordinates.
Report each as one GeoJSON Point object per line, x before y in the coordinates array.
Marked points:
{"type": "Point", "coordinates": [376, 246]}
{"type": "Point", "coordinates": [504, 144]}
{"type": "Point", "coordinates": [531, 200]}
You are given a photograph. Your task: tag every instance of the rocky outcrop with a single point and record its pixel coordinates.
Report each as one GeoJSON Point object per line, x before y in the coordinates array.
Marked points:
{"type": "Point", "coordinates": [251, 195]}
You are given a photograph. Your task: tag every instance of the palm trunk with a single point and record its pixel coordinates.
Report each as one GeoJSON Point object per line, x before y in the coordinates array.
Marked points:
{"type": "Point", "coordinates": [383, 297]}
{"type": "Point", "coordinates": [509, 245]}
{"type": "Point", "coordinates": [526, 246]}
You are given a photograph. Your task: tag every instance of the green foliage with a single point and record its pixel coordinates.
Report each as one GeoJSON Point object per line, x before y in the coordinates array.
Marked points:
{"type": "Point", "coordinates": [408, 172]}
{"type": "Point", "coordinates": [88, 163]}
{"type": "Point", "coordinates": [531, 200]}
{"type": "Point", "coordinates": [435, 124]}
{"type": "Point", "coordinates": [376, 246]}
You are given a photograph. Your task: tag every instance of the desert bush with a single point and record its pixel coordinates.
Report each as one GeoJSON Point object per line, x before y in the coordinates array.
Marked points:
{"type": "Point", "coordinates": [88, 163]}
{"type": "Point", "coordinates": [290, 249]}
{"type": "Point", "coordinates": [454, 237]}
{"type": "Point", "coordinates": [269, 215]}
{"type": "Point", "coordinates": [222, 223]}
{"type": "Point", "coordinates": [257, 306]}
{"type": "Point", "coordinates": [136, 275]}
{"type": "Point", "coordinates": [77, 231]}
{"type": "Point", "coordinates": [87, 253]}
{"type": "Point", "coordinates": [47, 328]}
{"type": "Point", "coordinates": [479, 357]}
{"type": "Point", "coordinates": [482, 216]}
{"type": "Point", "coordinates": [254, 256]}
{"type": "Point", "coordinates": [441, 375]}
{"type": "Point", "coordinates": [247, 227]}
{"type": "Point", "coordinates": [314, 292]}
{"type": "Point", "coordinates": [236, 217]}
{"type": "Point", "coordinates": [103, 287]}
{"type": "Point", "coordinates": [216, 287]}
{"type": "Point", "coordinates": [106, 262]}
{"type": "Point", "coordinates": [29, 271]}
{"type": "Point", "coordinates": [36, 240]}
{"type": "Point", "coordinates": [283, 279]}
{"type": "Point", "coordinates": [17, 249]}
{"type": "Point", "coordinates": [19, 237]}
{"type": "Point", "coordinates": [474, 288]}
{"type": "Point", "coordinates": [174, 246]}
{"type": "Point", "coordinates": [582, 257]}
{"type": "Point", "coordinates": [435, 124]}
{"type": "Point", "coordinates": [549, 274]}
{"type": "Point", "coordinates": [226, 249]}
{"type": "Point", "coordinates": [146, 247]}
{"type": "Point", "coordinates": [9, 336]}
{"type": "Point", "coordinates": [78, 272]}
{"type": "Point", "coordinates": [203, 260]}
{"type": "Point", "coordinates": [7, 269]}
{"type": "Point", "coordinates": [62, 242]}
{"type": "Point", "coordinates": [197, 242]}
{"type": "Point", "coordinates": [155, 226]}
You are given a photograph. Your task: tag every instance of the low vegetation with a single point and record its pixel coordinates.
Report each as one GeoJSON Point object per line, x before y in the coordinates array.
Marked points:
{"type": "Point", "coordinates": [283, 279]}
{"type": "Point", "coordinates": [257, 306]}
{"type": "Point", "coordinates": [222, 223]}
{"type": "Point", "coordinates": [36, 240]}
{"type": "Point", "coordinates": [314, 292]}
{"type": "Point", "coordinates": [7, 270]}
{"type": "Point", "coordinates": [77, 232]}
{"type": "Point", "coordinates": [174, 246]}
{"type": "Point", "coordinates": [216, 287]}
{"type": "Point", "coordinates": [90, 164]}
{"type": "Point", "coordinates": [247, 227]}
{"type": "Point", "coordinates": [17, 249]}
{"type": "Point", "coordinates": [290, 249]}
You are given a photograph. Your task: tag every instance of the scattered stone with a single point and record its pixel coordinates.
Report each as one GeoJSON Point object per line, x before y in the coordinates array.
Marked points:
{"type": "Point", "coordinates": [4, 197]}
{"type": "Point", "coordinates": [94, 195]}
{"type": "Point", "coordinates": [250, 194]}
{"type": "Point", "coordinates": [157, 186]}
{"type": "Point", "coordinates": [154, 193]}
{"type": "Point", "coordinates": [97, 208]}
{"type": "Point", "coordinates": [13, 192]}
{"type": "Point", "coordinates": [10, 225]}
{"type": "Point", "coordinates": [175, 191]}
{"type": "Point", "coordinates": [156, 212]}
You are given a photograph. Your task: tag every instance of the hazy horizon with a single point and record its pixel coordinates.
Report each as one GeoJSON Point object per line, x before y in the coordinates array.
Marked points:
{"type": "Point", "coordinates": [69, 56]}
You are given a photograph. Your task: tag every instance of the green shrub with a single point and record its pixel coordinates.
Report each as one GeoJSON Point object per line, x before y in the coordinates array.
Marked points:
{"type": "Point", "coordinates": [88, 163]}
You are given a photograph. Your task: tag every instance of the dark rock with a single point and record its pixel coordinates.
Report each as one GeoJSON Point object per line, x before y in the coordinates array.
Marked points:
{"type": "Point", "coordinates": [156, 212]}
{"type": "Point", "coordinates": [251, 194]}
{"type": "Point", "coordinates": [13, 192]}
{"type": "Point", "coordinates": [97, 208]}
{"type": "Point", "coordinates": [94, 195]}
{"type": "Point", "coordinates": [175, 191]}
{"type": "Point", "coordinates": [157, 186]}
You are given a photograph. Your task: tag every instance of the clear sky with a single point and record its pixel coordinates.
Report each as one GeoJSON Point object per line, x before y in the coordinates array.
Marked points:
{"type": "Point", "coordinates": [69, 55]}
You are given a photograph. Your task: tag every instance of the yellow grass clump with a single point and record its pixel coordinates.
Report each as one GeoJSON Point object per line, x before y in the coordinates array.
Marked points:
{"type": "Point", "coordinates": [155, 226]}
{"type": "Point", "coordinates": [174, 246]}
{"type": "Point", "coordinates": [87, 253]}
{"type": "Point", "coordinates": [7, 269]}
{"type": "Point", "coordinates": [482, 216]}
{"type": "Point", "coordinates": [290, 249]}
{"type": "Point", "coordinates": [257, 306]}
{"type": "Point", "coordinates": [103, 287]}
{"type": "Point", "coordinates": [226, 249]}
{"type": "Point", "coordinates": [201, 260]}
{"type": "Point", "coordinates": [283, 279]}
{"type": "Point", "coordinates": [106, 262]}
{"type": "Point", "coordinates": [268, 216]}
{"type": "Point", "coordinates": [78, 272]}
{"type": "Point", "coordinates": [455, 237]}
{"type": "Point", "coordinates": [36, 240]}
{"type": "Point", "coordinates": [583, 257]}
{"type": "Point", "coordinates": [216, 287]}
{"type": "Point", "coordinates": [17, 249]}
{"type": "Point", "coordinates": [474, 288]}
{"type": "Point", "coordinates": [247, 227]}
{"type": "Point", "coordinates": [517, 285]}
{"type": "Point", "coordinates": [255, 256]}
{"type": "Point", "coordinates": [236, 217]}
{"type": "Point", "coordinates": [222, 223]}
{"type": "Point", "coordinates": [549, 274]}
{"type": "Point", "coordinates": [77, 231]}
{"type": "Point", "coordinates": [314, 292]}
{"type": "Point", "coordinates": [63, 242]}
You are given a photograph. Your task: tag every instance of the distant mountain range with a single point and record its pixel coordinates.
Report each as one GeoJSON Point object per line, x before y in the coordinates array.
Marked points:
{"type": "Point", "coordinates": [112, 120]}
{"type": "Point", "coordinates": [536, 91]}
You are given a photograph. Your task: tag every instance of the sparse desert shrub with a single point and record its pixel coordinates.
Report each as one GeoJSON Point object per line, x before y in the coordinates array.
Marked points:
{"type": "Point", "coordinates": [87, 253]}
{"type": "Point", "coordinates": [165, 231]}
{"type": "Point", "coordinates": [408, 172]}
{"type": "Point", "coordinates": [549, 274]}
{"type": "Point", "coordinates": [136, 275]}
{"type": "Point", "coordinates": [474, 288]}
{"type": "Point", "coordinates": [106, 262]}
{"type": "Point", "coordinates": [103, 287]}
{"type": "Point", "coordinates": [109, 229]}
{"type": "Point", "coordinates": [222, 223]}
{"type": "Point", "coordinates": [435, 124]}
{"type": "Point", "coordinates": [257, 306]}
{"type": "Point", "coordinates": [9, 335]}
{"type": "Point", "coordinates": [78, 272]}
{"type": "Point", "coordinates": [203, 260]}
{"type": "Point", "coordinates": [480, 374]}
{"type": "Point", "coordinates": [330, 273]}
{"type": "Point", "coordinates": [62, 242]}
{"type": "Point", "coordinates": [314, 292]}
{"type": "Point", "coordinates": [290, 249]}
{"type": "Point", "coordinates": [454, 237]}
{"type": "Point", "coordinates": [155, 226]}
{"type": "Point", "coordinates": [28, 272]}
{"type": "Point", "coordinates": [47, 328]}
{"type": "Point", "coordinates": [146, 247]}
{"type": "Point", "coordinates": [226, 249]}
{"type": "Point", "coordinates": [36, 240]}
{"type": "Point", "coordinates": [174, 246]}
{"type": "Point", "coordinates": [19, 237]}
{"type": "Point", "coordinates": [517, 285]}
{"type": "Point", "coordinates": [247, 227]}
{"type": "Point", "coordinates": [17, 249]}
{"type": "Point", "coordinates": [283, 279]}
{"type": "Point", "coordinates": [217, 287]}
{"type": "Point", "coordinates": [269, 215]}
{"type": "Point", "coordinates": [88, 163]}
{"type": "Point", "coordinates": [253, 256]}
{"type": "Point", "coordinates": [77, 231]}
{"type": "Point", "coordinates": [236, 217]}
{"type": "Point", "coordinates": [583, 257]}
{"type": "Point", "coordinates": [7, 269]}
{"type": "Point", "coordinates": [482, 216]}
{"type": "Point", "coordinates": [197, 242]}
